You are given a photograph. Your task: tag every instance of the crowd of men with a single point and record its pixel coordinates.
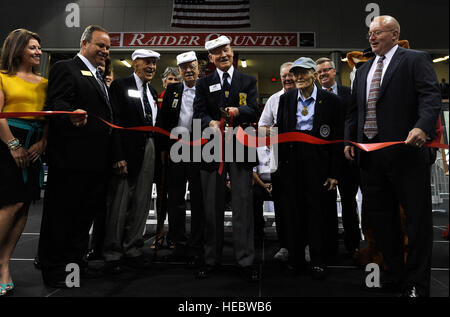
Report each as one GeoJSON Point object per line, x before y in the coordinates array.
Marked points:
{"type": "Point", "coordinates": [94, 169]}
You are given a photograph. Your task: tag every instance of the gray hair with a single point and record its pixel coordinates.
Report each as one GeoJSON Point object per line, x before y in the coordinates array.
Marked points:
{"type": "Point", "coordinates": [284, 65]}
{"type": "Point", "coordinates": [324, 60]}
{"type": "Point", "coordinates": [170, 70]}
{"type": "Point", "coordinates": [87, 34]}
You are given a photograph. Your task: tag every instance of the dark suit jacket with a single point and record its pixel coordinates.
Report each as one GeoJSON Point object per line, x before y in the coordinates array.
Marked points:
{"type": "Point", "coordinates": [207, 104]}
{"type": "Point", "coordinates": [129, 145]}
{"type": "Point", "coordinates": [326, 113]}
{"type": "Point", "coordinates": [84, 148]}
{"type": "Point", "coordinates": [409, 98]}
{"type": "Point", "coordinates": [170, 110]}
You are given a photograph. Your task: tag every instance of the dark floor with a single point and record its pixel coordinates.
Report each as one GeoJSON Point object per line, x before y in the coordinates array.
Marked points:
{"type": "Point", "coordinates": [176, 280]}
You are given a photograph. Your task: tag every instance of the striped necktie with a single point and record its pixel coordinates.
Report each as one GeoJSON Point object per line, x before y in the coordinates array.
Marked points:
{"type": "Point", "coordinates": [370, 125]}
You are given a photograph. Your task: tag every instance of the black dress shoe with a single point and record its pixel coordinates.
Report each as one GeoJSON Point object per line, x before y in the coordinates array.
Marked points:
{"type": "Point", "coordinates": [205, 271]}
{"type": "Point", "coordinates": [94, 255]}
{"type": "Point", "coordinates": [318, 273]}
{"type": "Point", "coordinates": [385, 287]}
{"type": "Point", "coordinates": [89, 273]}
{"type": "Point", "coordinates": [250, 273]}
{"type": "Point", "coordinates": [112, 267]}
{"type": "Point", "coordinates": [411, 292]}
{"type": "Point", "coordinates": [55, 284]}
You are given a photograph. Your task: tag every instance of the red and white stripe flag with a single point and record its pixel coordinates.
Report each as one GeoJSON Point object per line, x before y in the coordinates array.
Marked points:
{"type": "Point", "coordinates": [211, 13]}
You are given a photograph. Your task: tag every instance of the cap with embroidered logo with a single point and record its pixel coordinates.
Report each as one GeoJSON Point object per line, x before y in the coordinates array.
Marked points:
{"type": "Point", "coordinates": [186, 57]}
{"type": "Point", "coordinates": [143, 53]}
{"type": "Point", "coordinates": [220, 41]}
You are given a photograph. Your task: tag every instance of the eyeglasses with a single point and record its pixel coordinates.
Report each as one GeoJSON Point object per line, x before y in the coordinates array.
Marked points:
{"type": "Point", "coordinates": [376, 33]}
{"type": "Point", "coordinates": [186, 67]}
{"type": "Point", "coordinates": [325, 70]}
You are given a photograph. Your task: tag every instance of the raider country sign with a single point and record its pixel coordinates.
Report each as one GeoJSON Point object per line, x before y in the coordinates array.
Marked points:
{"type": "Point", "coordinates": [192, 40]}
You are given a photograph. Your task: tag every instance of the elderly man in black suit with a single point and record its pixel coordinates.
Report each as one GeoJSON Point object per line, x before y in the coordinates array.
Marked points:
{"type": "Point", "coordinates": [177, 112]}
{"type": "Point", "coordinates": [78, 158]}
{"type": "Point", "coordinates": [308, 171]}
{"type": "Point", "coordinates": [134, 102]}
{"type": "Point", "coordinates": [227, 92]}
{"type": "Point", "coordinates": [349, 180]}
{"type": "Point", "coordinates": [396, 97]}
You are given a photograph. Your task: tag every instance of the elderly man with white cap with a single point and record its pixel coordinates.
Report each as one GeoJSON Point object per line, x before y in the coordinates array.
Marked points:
{"type": "Point", "coordinates": [177, 112]}
{"type": "Point", "coordinates": [134, 104]}
{"type": "Point", "coordinates": [231, 94]}
{"type": "Point", "coordinates": [308, 170]}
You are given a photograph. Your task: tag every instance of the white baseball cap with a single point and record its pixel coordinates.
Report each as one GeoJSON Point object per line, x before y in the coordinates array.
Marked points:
{"type": "Point", "coordinates": [186, 57]}
{"type": "Point", "coordinates": [220, 41]}
{"type": "Point", "coordinates": [143, 53]}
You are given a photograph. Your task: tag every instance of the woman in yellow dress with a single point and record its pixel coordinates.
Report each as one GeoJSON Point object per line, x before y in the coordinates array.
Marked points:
{"type": "Point", "coordinates": [23, 140]}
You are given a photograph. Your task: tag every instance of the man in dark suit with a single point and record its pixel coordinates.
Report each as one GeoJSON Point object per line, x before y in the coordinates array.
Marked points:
{"type": "Point", "coordinates": [348, 183]}
{"type": "Point", "coordinates": [177, 112]}
{"type": "Point", "coordinates": [396, 97]}
{"type": "Point", "coordinates": [229, 93]}
{"type": "Point", "coordinates": [308, 171]}
{"type": "Point", "coordinates": [78, 158]}
{"type": "Point", "coordinates": [134, 102]}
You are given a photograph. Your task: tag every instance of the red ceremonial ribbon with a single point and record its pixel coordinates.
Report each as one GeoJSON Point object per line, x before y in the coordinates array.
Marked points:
{"type": "Point", "coordinates": [242, 136]}
{"type": "Point", "coordinates": [253, 141]}
{"type": "Point", "coordinates": [5, 115]}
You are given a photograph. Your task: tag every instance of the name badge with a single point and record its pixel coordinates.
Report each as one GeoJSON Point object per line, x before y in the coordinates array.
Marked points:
{"type": "Point", "coordinates": [175, 103]}
{"type": "Point", "coordinates": [215, 87]}
{"type": "Point", "coordinates": [242, 99]}
{"type": "Point", "coordinates": [86, 73]}
{"type": "Point", "coordinates": [134, 93]}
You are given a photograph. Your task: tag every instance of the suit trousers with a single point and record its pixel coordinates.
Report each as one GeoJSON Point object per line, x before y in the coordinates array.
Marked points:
{"type": "Point", "coordinates": [280, 208]}
{"type": "Point", "coordinates": [348, 188]}
{"type": "Point", "coordinates": [303, 178]}
{"type": "Point", "coordinates": [393, 176]}
{"type": "Point", "coordinates": [213, 186]}
{"type": "Point", "coordinates": [180, 173]}
{"type": "Point", "coordinates": [128, 206]}
{"type": "Point", "coordinates": [72, 200]}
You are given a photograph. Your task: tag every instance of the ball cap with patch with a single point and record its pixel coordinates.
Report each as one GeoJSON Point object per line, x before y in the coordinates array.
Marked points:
{"type": "Point", "coordinates": [220, 41]}
{"type": "Point", "coordinates": [304, 62]}
{"type": "Point", "coordinates": [143, 53]}
{"type": "Point", "coordinates": [186, 57]}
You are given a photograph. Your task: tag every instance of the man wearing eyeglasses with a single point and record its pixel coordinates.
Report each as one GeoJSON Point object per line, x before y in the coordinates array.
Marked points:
{"type": "Point", "coordinates": [177, 111]}
{"type": "Point", "coordinates": [396, 97]}
{"type": "Point", "coordinates": [349, 179]}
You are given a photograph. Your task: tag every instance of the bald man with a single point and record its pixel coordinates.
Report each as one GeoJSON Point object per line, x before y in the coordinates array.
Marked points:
{"type": "Point", "coordinates": [396, 97]}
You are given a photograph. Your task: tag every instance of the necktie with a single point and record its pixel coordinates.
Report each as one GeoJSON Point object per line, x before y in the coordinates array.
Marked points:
{"type": "Point", "coordinates": [226, 87]}
{"type": "Point", "coordinates": [102, 84]}
{"type": "Point", "coordinates": [148, 108]}
{"type": "Point", "coordinates": [330, 89]}
{"type": "Point", "coordinates": [370, 125]}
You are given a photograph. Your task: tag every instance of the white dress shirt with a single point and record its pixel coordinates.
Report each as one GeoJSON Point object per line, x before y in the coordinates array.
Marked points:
{"type": "Point", "coordinates": [187, 107]}
{"type": "Point", "coordinates": [229, 71]}
{"type": "Point", "coordinates": [152, 102]}
{"type": "Point", "coordinates": [387, 60]}
{"type": "Point", "coordinates": [269, 114]}
{"type": "Point", "coordinates": [92, 69]}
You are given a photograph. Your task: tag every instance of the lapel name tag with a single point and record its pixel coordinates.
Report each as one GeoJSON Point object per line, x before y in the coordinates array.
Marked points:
{"type": "Point", "coordinates": [215, 87]}
{"type": "Point", "coordinates": [175, 103]}
{"type": "Point", "coordinates": [86, 73]}
{"type": "Point", "coordinates": [134, 93]}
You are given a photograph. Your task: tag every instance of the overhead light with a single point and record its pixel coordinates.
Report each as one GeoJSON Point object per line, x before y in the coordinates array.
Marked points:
{"type": "Point", "coordinates": [440, 59]}
{"type": "Point", "coordinates": [244, 63]}
{"type": "Point", "coordinates": [125, 62]}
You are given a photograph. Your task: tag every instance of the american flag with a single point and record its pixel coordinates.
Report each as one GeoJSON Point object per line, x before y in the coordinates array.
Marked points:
{"type": "Point", "coordinates": [211, 13]}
